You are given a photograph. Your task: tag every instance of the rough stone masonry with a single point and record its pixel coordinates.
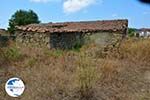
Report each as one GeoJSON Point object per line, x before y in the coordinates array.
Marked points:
{"type": "Point", "coordinates": [68, 35]}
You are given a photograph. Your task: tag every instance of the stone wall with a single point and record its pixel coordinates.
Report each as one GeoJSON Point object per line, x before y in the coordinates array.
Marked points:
{"type": "Point", "coordinates": [33, 38]}
{"type": "Point", "coordinates": [73, 40]}
{"type": "Point", "coordinates": [67, 40]}
{"type": "Point", "coordinates": [103, 38]}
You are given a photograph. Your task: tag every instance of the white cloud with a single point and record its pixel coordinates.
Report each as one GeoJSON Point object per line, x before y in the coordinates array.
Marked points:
{"type": "Point", "coordinates": [71, 6]}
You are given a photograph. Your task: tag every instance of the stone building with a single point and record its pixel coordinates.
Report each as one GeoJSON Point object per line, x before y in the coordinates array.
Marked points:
{"type": "Point", "coordinates": [68, 35]}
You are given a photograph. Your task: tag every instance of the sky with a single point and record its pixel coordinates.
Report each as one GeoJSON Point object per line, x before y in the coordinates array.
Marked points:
{"type": "Point", "coordinates": [137, 13]}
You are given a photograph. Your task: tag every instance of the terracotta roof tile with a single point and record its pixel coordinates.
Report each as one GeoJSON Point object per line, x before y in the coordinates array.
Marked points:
{"type": "Point", "coordinates": [83, 26]}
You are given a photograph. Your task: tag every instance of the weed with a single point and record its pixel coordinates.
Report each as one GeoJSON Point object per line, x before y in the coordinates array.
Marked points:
{"type": "Point", "coordinates": [31, 62]}
{"type": "Point", "coordinates": [86, 75]}
{"type": "Point", "coordinates": [53, 53]}
{"type": "Point", "coordinates": [10, 53]}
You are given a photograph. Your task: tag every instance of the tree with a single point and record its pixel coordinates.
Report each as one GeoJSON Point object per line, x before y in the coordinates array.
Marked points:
{"type": "Point", "coordinates": [131, 32]}
{"type": "Point", "coordinates": [22, 17]}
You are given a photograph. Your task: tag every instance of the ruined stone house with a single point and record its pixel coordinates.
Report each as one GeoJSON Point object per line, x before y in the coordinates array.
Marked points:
{"type": "Point", "coordinates": [67, 35]}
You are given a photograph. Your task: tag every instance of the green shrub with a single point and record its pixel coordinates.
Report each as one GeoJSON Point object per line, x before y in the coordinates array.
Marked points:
{"type": "Point", "coordinates": [131, 32]}
{"type": "Point", "coordinates": [53, 53]}
{"type": "Point", "coordinates": [77, 45]}
{"type": "Point", "coordinates": [12, 53]}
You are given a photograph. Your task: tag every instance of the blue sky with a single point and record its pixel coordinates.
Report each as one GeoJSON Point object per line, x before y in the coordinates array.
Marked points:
{"type": "Point", "coordinates": [79, 10]}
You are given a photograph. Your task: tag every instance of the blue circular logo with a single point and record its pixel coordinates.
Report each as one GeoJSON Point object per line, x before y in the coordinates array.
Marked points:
{"type": "Point", "coordinates": [14, 87]}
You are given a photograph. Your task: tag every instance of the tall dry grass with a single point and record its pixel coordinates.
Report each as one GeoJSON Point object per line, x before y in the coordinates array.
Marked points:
{"type": "Point", "coordinates": [137, 51]}
{"type": "Point", "coordinates": [88, 74]}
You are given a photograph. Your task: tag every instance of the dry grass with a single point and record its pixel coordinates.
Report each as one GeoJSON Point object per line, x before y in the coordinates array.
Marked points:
{"type": "Point", "coordinates": [136, 50]}
{"type": "Point", "coordinates": [124, 74]}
